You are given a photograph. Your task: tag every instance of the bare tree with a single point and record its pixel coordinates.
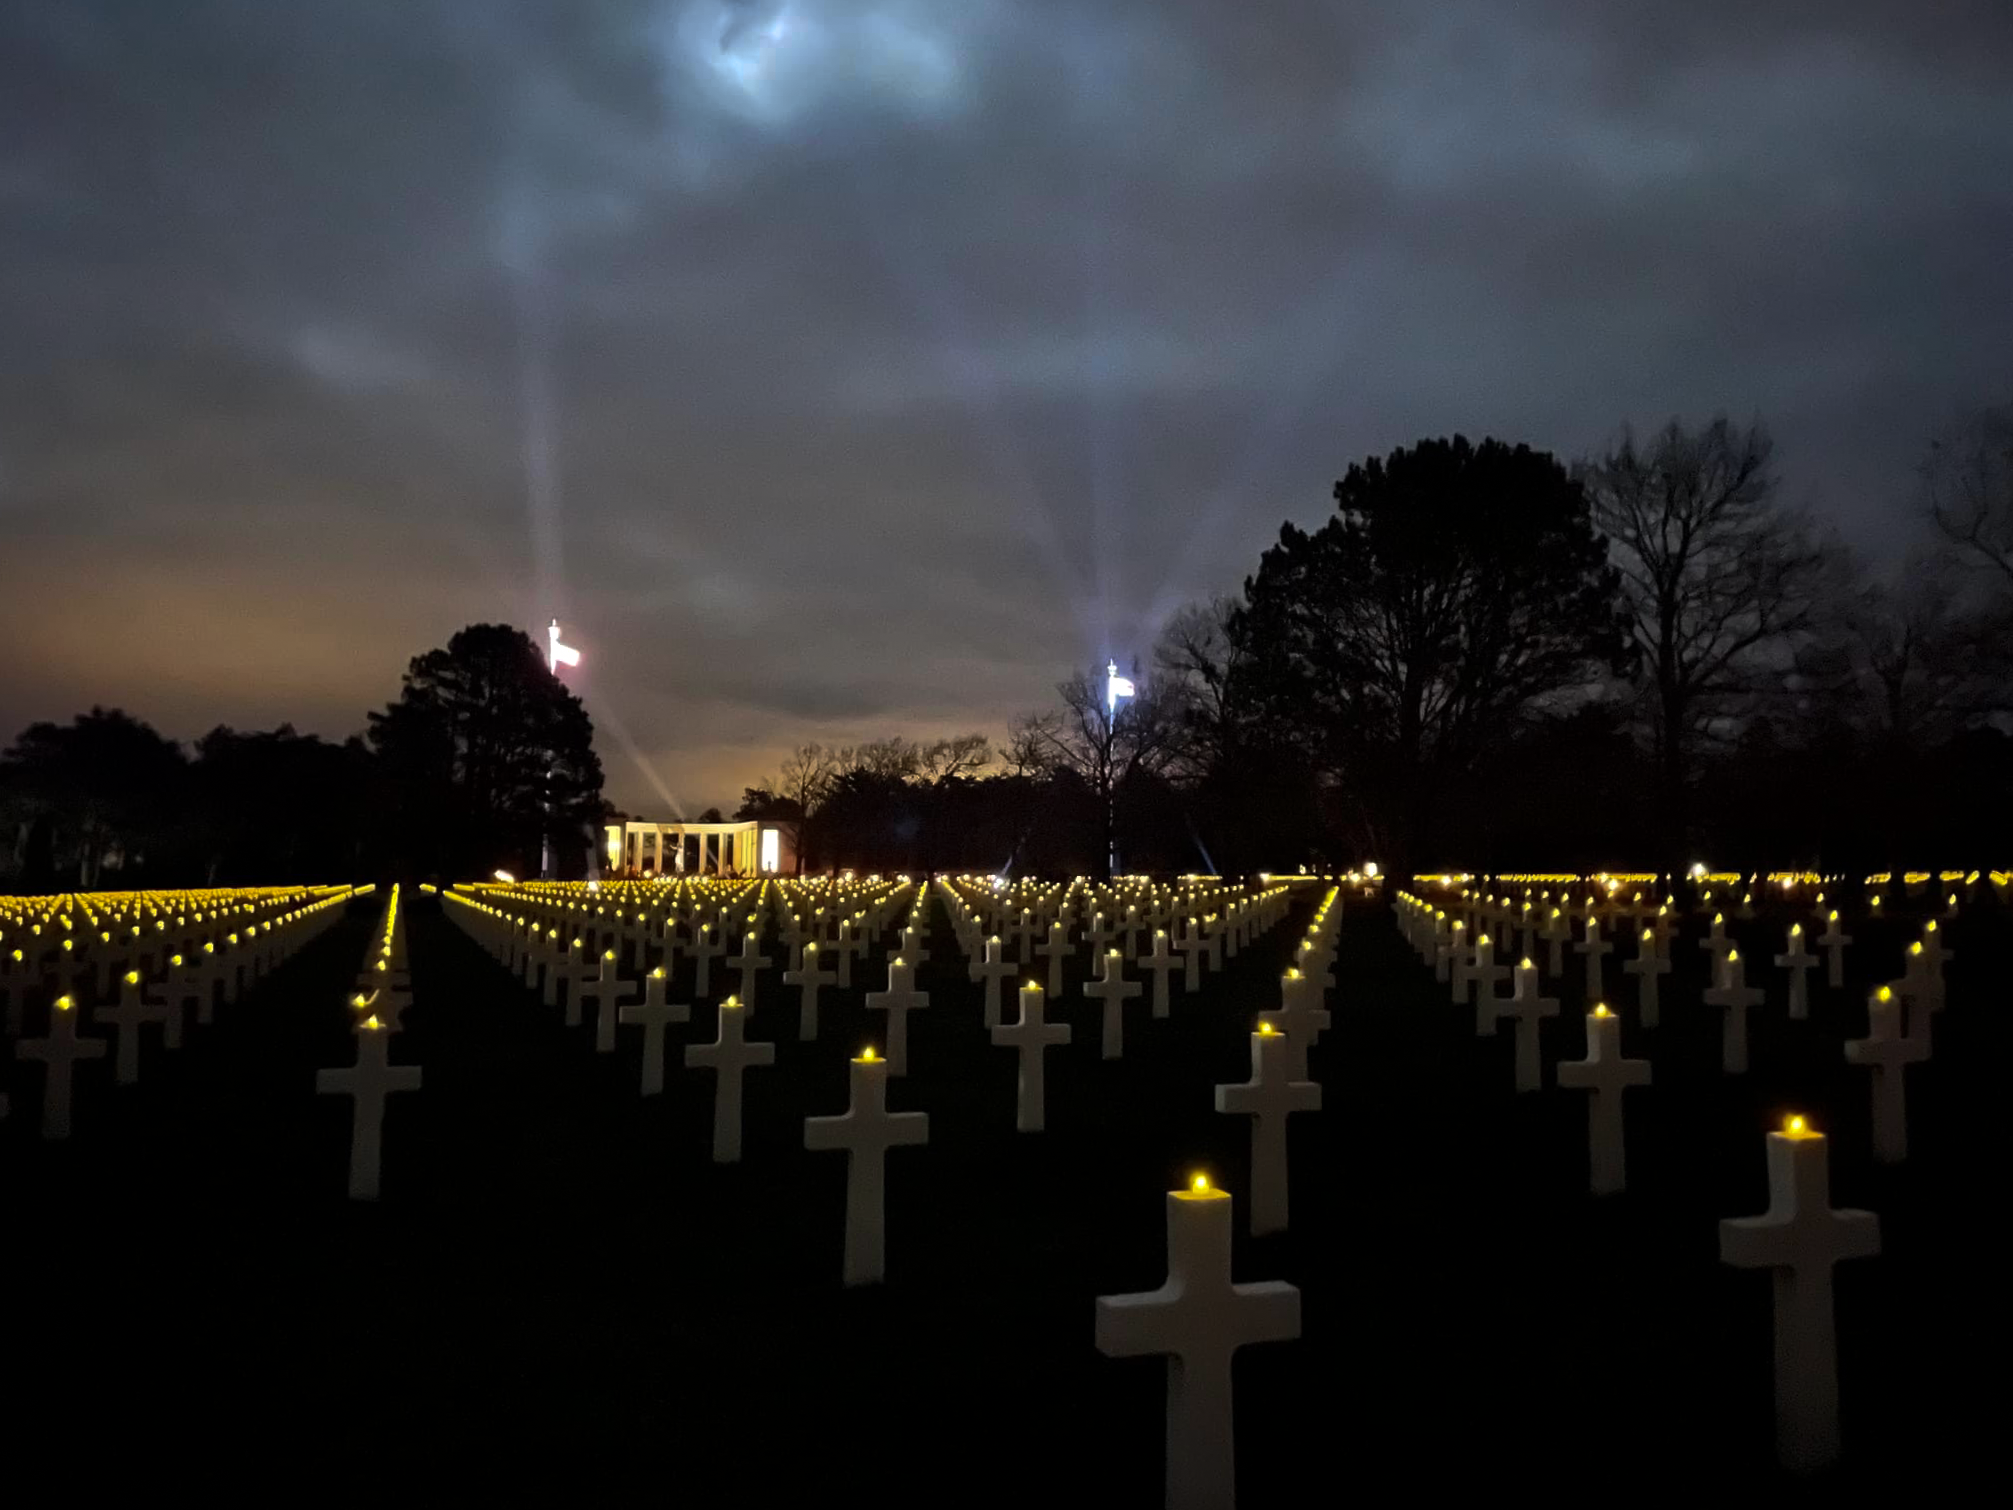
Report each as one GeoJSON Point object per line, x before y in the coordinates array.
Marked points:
{"type": "Point", "coordinates": [1968, 482]}
{"type": "Point", "coordinates": [957, 755]}
{"type": "Point", "coordinates": [1719, 580]}
{"type": "Point", "coordinates": [1103, 746]}
{"type": "Point", "coordinates": [804, 780]}
{"type": "Point", "coordinates": [1198, 652]}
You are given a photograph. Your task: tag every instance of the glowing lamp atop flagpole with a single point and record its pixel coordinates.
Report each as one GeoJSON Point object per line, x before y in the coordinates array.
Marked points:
{"type": "Point", "coordinates": [1115, 687]}
{"type": "Point", "coordinates": [559, 654]}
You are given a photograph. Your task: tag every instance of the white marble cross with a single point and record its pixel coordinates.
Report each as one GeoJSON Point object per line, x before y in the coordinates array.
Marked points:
{"type": "Point", "coordinates": [749, 964]}
{"type": "Point", "coordinates": [1833, 941]}
{"type": "Point", "coordinates": [1733, 995]}
{"type": "Point", "coordinates": [132, 1011]}
{"type": "Point", "coordinates": [1193, 947]}
{"type": "Point", "coordinates": [1594, 949]}
{"type": "Point", "coordinates": [1158, 964]}
{"type": "Point", "coordinates": [367, 1082]}
{"type": "Point", "coordinates": [866, 1131]}
{"type": "Point", "coordinates": [1114, 991]}
{"type": "Point", "coordinates": [992, 970]}
{"type": "Point", "coordinates": [729, 1054]}
{"type": "Point", "coordinates": [1798, 961]}
{"type": "Point", "coordinates": [809, 977]}
{"type": "Point", "coordinates": [1055, 951]}
{"type": "Point", "coordinates": [1888, 1052]}
{"type": "Point", "coordinates": [900, 999]}
{"type": "Point", "coordinates": [1300, 1017]}
{"type": "Point", "coordinates": [1555, 933]}
{"type": "Point", "coordinates": [707, 945]}
{"type": "Point", "coordinates": [1033, 1036]}
{"type": "Point", "coordinates": [1198, 1319]}
{"type": "Point", "coordinates": [603, 989]}
{"type": "Point", "coordinates": [1530, 1009]}
{"type": "Point", "coordinates": [1606, 1074]}
{"type": "Point", "coordinates": [59, 1052]}
{"type": "Point", "coordinates": [654, 1013]}
{"type": "Point", "coordinates": [1800, 1237]}
{"type": "Point", "coordinates": [1269, 1097]}
{"type": "Point", "coordinates": [1647, 967]}
{"type": "Point", "coordinates": [1476, 966]}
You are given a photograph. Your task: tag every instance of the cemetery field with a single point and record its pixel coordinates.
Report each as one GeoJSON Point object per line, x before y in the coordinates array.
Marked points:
{"type": "Point", "coordinates": [558, 1275]}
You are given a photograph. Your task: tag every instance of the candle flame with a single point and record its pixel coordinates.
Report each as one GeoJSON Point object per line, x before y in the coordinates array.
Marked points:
{"type": "Point", "coordinates": [372, 1023]}
{"type": "Point", "coordinates": [1199, 1184]}
{"type": "Point", "coordinates": [867, 1054]}
{"type": "Point", "coordinates": [1601, 1009]}
{"type": "Point", "coordinates": [1797, 1127]}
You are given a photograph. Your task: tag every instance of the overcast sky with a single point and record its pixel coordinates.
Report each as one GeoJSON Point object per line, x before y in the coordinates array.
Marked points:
{"type": "Point", "coordinates": [838, 369]}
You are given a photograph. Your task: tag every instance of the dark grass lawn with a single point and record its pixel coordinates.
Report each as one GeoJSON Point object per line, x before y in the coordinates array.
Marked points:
{"type": "Point", "coordinates": [557, 1278]}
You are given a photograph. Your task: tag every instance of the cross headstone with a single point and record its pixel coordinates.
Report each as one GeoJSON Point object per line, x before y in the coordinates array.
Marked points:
{"type": "Point", "coordinates": [900, 999]}
{"type": "Point", "coordinates": [1114, 991]}
{"type": "Point", "coordinates": [132, 1011]}
{"type": "Point", "coordinates": [59, 1052]}
{"type": "Point", "coordinates": [1594, 949]}
{"type": "Point", "coordinates": [1833, 941]}
{"type": "Point", "coordinates": [368, 1082]}
{"type": "Point", "coordinates": [729, 1054]}
{"type": "Point", "coordinates": [1647, 967]}
{"type": "Point", "coordinates": [1606, 1074]}
{"type": "Point", "coordinates": [707, 945]}
{"type": "Point", "coordinates": [1733, 995]}
{"type": "Point", "coordinates": [1798, 961]}
{"type": "Point", "coordinates": [992, 970]}
{"type": "Point", "coordinates": [1158, 964]}
{"type": "Point", "coordinates": [654, 1013]}
{"type": "Point", "coordinates": [1055, 951]}
{"type": "Point", "coordinates": [866, 1131]}
{"type": "Point", "coordinates": [1198, 1319]}
{"type": "Point", "coordinates": [749, 964]}
{"type": "Point", "coordinates": [809, 977]}
{"type": "Point", "coordinates": [1800, 1237]}
{"type": "Point", "coordinates": [1530, 1009]}
{"type": "Point", "coordinates": [1888, 1052]}
{"type": "Point", "coordinates": [1269, 1097]}
{"type": "Point", "coordinates": [1192, 946]}
{"type": "Point", "coordinates": [1033, 1036]}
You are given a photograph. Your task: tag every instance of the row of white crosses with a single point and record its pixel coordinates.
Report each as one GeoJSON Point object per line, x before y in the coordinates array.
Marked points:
{"type": "Point", "coordinates": [1799, 1237]}
{"type": "Point", "coordinates": [168, 946]}
{"type": "Point", "coordinates": [865, 1131]}
{"type": "Point", "coordinates": [382, 993]}
{"type": "Point", "coordinates": [192, 943]}
{"type": "Point", "coordinates": [1199, 1316]}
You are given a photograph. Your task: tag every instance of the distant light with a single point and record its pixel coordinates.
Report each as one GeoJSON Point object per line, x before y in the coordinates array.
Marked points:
{"type": "Point", "coordinates": [506, 878]}
{"type": "Point", "coordinates": [559, 655]}
{"type": "Point", "coordinates": [1115, 687]}
{"type": "Point", "coordinates": [1370, 869]}
{"type": "Point", "coordinates": [1698, 870]}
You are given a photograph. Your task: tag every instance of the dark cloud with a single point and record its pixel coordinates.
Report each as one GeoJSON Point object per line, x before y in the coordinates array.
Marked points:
{"type": "Point", "coordinates": [841, 368]}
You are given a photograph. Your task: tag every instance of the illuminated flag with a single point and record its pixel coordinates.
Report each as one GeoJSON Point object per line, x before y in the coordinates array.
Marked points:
{"type": "Point", "coordinates": [562, 655]}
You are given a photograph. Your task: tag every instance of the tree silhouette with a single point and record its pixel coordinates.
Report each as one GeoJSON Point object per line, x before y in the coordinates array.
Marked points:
{"type": "Point", "coordinates": [1457, 589]}
{"type": "Point", "coordinates": [1720, 582]}
{"type": "Point", "coordinates": [99, 793]}
{"type": "Point", "coordinates": [487, 758]}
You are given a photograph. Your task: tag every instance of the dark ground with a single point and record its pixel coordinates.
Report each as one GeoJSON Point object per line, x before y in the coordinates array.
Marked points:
{"type": "Point", "coordinates": [558, 1280]}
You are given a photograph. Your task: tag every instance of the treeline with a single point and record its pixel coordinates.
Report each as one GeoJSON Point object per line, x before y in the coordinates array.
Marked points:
{"type": "Point", "coordinates": [483, 761]}
{"type": "Point", "coordinates": [1486, 658]}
